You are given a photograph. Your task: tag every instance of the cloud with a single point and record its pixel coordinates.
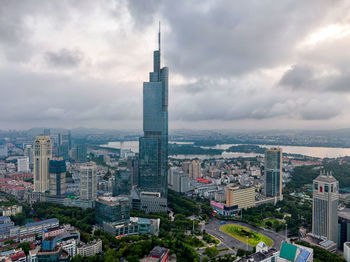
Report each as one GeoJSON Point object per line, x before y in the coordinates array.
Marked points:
{"type": "Point", "coordinates": [66, 63]}
{"type": "Point", "coordinates": [64, 58]}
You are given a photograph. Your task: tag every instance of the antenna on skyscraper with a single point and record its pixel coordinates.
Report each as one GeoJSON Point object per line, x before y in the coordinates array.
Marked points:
{"type": "Point", "coordinates": [159, 38]}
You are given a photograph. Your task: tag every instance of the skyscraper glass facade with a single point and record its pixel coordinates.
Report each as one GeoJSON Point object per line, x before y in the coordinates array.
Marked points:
{"type": "Point", "coordinates": [273, 172]}
{"type": "Point", "coordinates": [153, 167]}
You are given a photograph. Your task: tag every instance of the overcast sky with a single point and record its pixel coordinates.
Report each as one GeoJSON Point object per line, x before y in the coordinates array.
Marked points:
{"type": "Point", "coordinates": [233, 64]}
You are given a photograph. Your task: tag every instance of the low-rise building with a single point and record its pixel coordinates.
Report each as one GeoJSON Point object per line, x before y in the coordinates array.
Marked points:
{"type": "Point", "coordinates": [153, 202]}
{"type": "Point", "coordinates": [90, 249]}
{"type": "Point", "coordinates": [347, 251]}
{"type": "Point", "coordinates": [11, 210]}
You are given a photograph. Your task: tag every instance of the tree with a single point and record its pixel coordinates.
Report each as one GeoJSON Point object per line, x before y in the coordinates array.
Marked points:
{"type": "Point", "coordinates": [211, 252]}
{"type": "Point", "coordinates": [25, 247]}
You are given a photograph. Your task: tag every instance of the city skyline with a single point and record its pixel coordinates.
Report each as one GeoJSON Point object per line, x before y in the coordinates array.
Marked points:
{"type": "Point", "coordinates": [70, 65]}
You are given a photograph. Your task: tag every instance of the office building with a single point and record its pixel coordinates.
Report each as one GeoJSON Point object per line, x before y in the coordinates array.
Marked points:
{"type": "Point", "coordinates": [273, 172]}
{"type": "Point", "coordinates": [57, 170]}
{"type": "Point", "coordinates": [122, 185]}
{"type": "Point", "coordinates": [240, 197]}
{"type": "Point", "coordinates": [343, 227]}
{"type": "Point", "coordinates": [88, 181]}
{"type": "Point", "coordinates": [42, 156]}
{"type": "Point", "coordinates": [112, 210]}
{"type": "Point", "coordinates": [23, 165]}
{"type": "Point", "coordinates": [153, 165]}
{"type": "Point", "coordinates": [325, 207]}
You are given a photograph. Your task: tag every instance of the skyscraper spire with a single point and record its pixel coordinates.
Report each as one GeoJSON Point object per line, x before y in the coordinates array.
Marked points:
{"type": "Point", "coordinates": [159, 38]}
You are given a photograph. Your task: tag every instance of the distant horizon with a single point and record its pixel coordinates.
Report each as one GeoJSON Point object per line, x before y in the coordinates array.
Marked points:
{"type": "Point", "coordinates": [178, 129]}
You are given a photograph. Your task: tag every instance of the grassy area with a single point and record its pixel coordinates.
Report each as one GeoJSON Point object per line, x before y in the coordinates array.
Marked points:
{"type": "Point", "coordinates": [241, 233]}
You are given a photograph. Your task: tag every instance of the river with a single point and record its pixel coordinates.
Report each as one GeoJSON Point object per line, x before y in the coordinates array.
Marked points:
{"type": "Point", "coordinates": [321, 152]}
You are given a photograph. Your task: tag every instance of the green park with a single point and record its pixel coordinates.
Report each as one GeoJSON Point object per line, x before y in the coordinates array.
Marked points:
{"type": "Point", "coordinates": [241, 233]}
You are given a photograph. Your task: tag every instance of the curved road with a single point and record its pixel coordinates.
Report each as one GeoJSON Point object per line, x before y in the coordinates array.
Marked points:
{"type": "Point", "coordinates": [213, 228]}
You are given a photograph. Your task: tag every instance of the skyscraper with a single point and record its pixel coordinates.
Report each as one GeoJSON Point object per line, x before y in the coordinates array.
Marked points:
{"type": "Point", "coordinates": [57, 170]}
{"type": "Point", "coordinates": [23, 164]}
{"type": "Point", "coordinates": [325, 207]}
{"type": "Point", "coordinates": [273, 172]}
{"type": "Point", "coordinates": [154, 144]}
{"type": "Point", "coordinates": [88, 181]}
{"type": "Point", "coordinates": [42, 156]}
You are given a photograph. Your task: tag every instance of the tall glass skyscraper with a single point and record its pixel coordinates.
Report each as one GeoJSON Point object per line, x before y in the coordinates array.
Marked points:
{"type": "Point", "coordinates": [153, 167]}
{"type": "Point", "coordinates": [273, 172]}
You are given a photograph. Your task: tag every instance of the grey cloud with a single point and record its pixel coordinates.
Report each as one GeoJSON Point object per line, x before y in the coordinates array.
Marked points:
{"type": "Point", "coordinates": [64, 58]}
{"type": "Point", "coordinates": [225, 103]}
{"type": "Point", "coordinates": [232, 38]}
{"type": "Point", "coordinates": [30, 98]}
{"type": "Point", "coordinates": [311, 78]}
{"type": "Point", "coordinates": [298, 76]}
{"type": "Point", "coordinates": [142, 11]}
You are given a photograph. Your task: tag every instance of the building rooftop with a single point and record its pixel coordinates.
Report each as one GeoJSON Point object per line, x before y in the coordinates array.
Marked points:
{"type": "Point", "coordinates": [259, 256]}
{"type": "Point", "coordinates": [288, 251]}
{"type": "Point", "coordinates": [345, 213]}
{"type": "Point", "coordinates": [51, 220]}
{"type": "Point", "coordinates": [325, 178]}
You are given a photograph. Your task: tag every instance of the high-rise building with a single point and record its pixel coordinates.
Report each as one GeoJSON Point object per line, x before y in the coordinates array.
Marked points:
{"type": "Point", "coordinates": [273, 172]}
{"type": "Point", "coordinates": [57, 170]}
{"type": "Point", "coordinates": [79, 152]}
{"type": "Point", "coordinates": [3, 149]}
{"type": "Point", "coordinates": [122, 185]}
{"type": "Point", "coordinates": [195, 169]}
{"type": "Point", "coordinates": [42, 155]}
{"type": "Point", "coordinates": [325, 207]}
{"type": "Point", "coordinates": [28, 152]}
{"type": "Point", "coordinates": [153, 154]}
{"type": "Point", "coordinates": [178, 180]}
{"type": "Point", "coordinates": [63, 146]}
{"type": "Point", "coordinates": [88, 181]}
{"type": "Point", "coordinates": [133, 166]}
{"type": "Point", "coordinates": [23, 164]}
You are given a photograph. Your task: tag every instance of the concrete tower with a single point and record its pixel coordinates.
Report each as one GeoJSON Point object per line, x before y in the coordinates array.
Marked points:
{"type": "Point", "coordinates": [88, 181]}
{"type": "Point", "coordinates": [325, 206]}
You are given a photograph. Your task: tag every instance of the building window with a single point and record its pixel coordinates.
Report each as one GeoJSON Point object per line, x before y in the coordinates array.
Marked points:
{"type": "Point", "coordinates": [326, 188]}
{"type": "Point", "coordinates": [321, 189]}
{"type": "Point", "coordinates": [331, 187]}
{"type": "Point", "coordinates": [316, 186]}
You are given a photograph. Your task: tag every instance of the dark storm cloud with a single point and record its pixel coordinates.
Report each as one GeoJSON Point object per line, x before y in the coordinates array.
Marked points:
{"type": "Point", "coordinates": [64, 58]}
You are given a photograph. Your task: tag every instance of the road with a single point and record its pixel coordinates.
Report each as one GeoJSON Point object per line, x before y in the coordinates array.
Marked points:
{"type": "Point", "coordinates": [213, 228]}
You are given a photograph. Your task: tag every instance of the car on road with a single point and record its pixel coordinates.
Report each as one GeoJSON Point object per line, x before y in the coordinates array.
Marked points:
{"type": "Point", "coordinates": [222, 222]}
